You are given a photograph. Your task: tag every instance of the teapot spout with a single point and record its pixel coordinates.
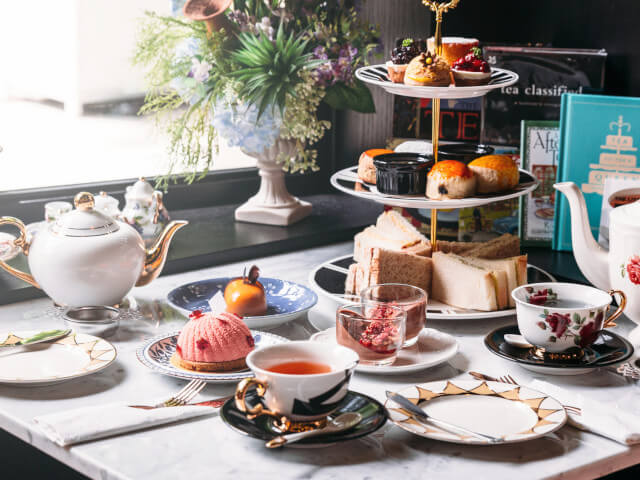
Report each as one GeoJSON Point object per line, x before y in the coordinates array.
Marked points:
{"type": "Point", "coordinates": [592, 259]}
{"type": "Point", "coordinates": [157, 254]}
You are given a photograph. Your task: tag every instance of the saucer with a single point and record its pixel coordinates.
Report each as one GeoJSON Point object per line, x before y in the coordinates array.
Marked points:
{"type": "Point", "coordinates": [513, 413]}
{"type": "Point", "coordinates": [433, 347]}
{"type": "Point", "coordinates": [286, 300]}
{"type": "Point", "coordinates": [263, 427]}
{"type": "Point", "coordinates": [609, 349]}
{"type": "Point", "coordinates": [156, 354]}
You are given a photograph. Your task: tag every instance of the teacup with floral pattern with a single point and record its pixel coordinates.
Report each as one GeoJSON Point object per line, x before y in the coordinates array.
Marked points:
{"type": "Point", "coordinates": [558, 316]}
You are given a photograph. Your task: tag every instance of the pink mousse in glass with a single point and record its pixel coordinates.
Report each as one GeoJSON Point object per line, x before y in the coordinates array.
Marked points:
{"type": "Point", "coordinates": [412, 300]}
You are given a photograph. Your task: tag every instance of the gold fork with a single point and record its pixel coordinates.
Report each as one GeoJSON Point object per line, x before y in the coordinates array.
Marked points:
{"type": "Point", "coordinates": [181, 398]}
{"type": "Point", "coordinates": [510, 380]}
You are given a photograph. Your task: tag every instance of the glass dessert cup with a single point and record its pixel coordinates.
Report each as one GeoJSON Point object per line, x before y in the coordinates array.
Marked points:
{"type": "Point", "coordinates": [376, 339]}
{"type": "Point", "coordinates": [413, 300]}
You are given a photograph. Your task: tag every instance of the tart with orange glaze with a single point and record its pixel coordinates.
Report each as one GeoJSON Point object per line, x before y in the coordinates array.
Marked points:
{"type": "Point", "coordinates": [428, 70]}
{"type": "Point", "coordinates": [245, 295]}
{"type": "Point", "coordinates": [450, 179]}
{"type": "Point", "coordinates": [366, 168]}
{"type": "Point", "coordinates": [495, 173]}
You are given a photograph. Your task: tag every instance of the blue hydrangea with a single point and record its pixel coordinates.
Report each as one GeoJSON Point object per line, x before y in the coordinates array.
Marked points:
{"type": "Point", "coordinates": [239, 126]}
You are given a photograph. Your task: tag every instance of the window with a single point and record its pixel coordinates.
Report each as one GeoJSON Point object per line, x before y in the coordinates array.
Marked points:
{"type": "Point", "coordinates": [69, 96]}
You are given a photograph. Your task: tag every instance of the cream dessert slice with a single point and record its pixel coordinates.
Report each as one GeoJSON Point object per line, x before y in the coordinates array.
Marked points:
{"type": "Point", "coordinates": [456, 281]}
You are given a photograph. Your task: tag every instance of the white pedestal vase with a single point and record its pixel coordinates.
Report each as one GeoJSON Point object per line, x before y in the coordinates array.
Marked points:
{"type": "Point", "coordinates": [273, 204]}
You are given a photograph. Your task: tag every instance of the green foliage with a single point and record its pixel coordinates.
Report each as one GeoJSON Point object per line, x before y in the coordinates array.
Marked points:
{"type": "Point", "coordinates": [356, 97]}
{"type": "Point", "coordinates": [269, 69]}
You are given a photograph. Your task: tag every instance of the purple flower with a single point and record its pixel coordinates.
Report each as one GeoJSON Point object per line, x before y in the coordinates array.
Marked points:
{"type": "Point", "coordinates": [320, 53]}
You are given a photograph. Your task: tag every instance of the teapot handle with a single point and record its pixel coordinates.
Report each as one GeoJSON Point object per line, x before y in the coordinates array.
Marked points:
{"type": "Point", "coordinates": [609, 322]}
{"type": "Point", "coordinates": [23, 244]}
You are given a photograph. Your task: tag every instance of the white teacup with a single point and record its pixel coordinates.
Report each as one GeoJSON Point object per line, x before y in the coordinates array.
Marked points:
{"type": "Point", "coordinates": [301, 397]}
{"type": "Point", "coordinates": [574, 319]}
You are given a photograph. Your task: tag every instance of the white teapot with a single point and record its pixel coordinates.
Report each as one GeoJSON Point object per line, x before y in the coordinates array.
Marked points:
{"type": "Point", "coordinates": [617, 269]}
{"type": "Point", "coordinates": [87, 258]}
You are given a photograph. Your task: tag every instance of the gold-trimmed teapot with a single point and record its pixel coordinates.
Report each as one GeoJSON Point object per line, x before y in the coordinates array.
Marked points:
{"type": "Point", "coordinates": [88, 258]}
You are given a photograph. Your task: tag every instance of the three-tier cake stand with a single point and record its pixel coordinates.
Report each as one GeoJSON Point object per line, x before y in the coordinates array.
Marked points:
{"type": "Point", "coordinates": [346, 180]}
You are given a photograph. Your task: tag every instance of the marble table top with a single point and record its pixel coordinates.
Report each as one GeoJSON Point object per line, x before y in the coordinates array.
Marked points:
{"type": "Point", "coordinates": [204, 448]}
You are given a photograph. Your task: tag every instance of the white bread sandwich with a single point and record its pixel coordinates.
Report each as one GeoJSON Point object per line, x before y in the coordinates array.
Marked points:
{"type": "Point", "coordinates": [457, 281]}
{"type": "Point", "coordinates": [391, 232]}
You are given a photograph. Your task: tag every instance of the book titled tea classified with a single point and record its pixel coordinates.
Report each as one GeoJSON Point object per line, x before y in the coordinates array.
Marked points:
{"type": "Point", "coordinates": [545, 75]}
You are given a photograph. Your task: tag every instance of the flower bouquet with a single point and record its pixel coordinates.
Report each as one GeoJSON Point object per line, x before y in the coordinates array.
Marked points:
{"type": "Point", "coordinates": [254, 74]}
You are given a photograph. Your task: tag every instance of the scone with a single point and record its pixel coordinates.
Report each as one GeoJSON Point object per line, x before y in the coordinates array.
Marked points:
{"type": "Point", "coordinates": [453, 47]}
{"type": "Point", "coordinates": [450, 179]}
{"type": "Point", "coordinates": [428, 70]}
{"type": "Point", "coordinates": [213, 343]}
{"type": "Point", "coordinates": [495, 173]}
{"type": "Point", "coordinates": [366, 168]}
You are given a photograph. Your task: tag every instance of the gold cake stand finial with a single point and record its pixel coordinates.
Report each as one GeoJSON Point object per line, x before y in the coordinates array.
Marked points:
{"type": "Point", "coordinates": [438, 7]}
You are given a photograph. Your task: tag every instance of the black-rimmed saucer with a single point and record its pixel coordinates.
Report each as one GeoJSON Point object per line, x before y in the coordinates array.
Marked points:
{"type": "Point", "coordinates": [264, 427]}
{"type": "Point", "coordinates": [609, 349]}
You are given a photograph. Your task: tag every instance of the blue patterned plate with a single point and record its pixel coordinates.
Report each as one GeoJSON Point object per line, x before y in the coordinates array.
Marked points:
{"type": "Point", "coordinates": [156, 354]}
{"type": "Point", "coordinates": [286, 301]}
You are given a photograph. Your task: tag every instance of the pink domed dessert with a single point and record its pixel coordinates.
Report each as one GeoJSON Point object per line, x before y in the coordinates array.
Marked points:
{"type": "Point", "coordinates": [213, 342]}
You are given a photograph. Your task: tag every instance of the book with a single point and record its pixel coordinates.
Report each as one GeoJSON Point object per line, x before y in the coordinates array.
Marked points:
{"type": "Point", "coordinates": [539, 155]}
{"type": "Point", "coordinates": [598, 138]}
{"type": "Point", "coordinates": [545, 74]}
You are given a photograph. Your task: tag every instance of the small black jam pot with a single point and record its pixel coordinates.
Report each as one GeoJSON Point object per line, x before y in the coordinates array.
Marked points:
{"type": "Point", "coordinates": [402, 173]}
{"type": "Point", "coordinates": [463, 152]}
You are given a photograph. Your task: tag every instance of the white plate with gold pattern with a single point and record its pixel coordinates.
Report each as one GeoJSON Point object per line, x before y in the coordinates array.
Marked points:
{"type": "Point", "coordinates": [432, 348]}
{"type": "Point", "coordinates": [512, 413]}
{"type": "Point", "coordinates": [67, 358]}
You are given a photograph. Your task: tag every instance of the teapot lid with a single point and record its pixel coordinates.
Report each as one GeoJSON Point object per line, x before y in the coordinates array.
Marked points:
{"type": "Point", "coordinates": [84, 221]}
{"type": "Point", "coordinates": [141, 190]}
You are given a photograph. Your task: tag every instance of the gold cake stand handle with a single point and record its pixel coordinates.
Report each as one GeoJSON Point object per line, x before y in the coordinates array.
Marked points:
{"type": "Point", "coordinates": [438, 7]}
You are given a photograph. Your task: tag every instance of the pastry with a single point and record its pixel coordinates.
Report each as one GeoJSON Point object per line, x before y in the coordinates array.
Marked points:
{"type": "Point", "coordinates": [245, 295]}
{"type": "Point", "coordinates": [453, 47]}
{"type": "Point", "coordinates": [366, 169]}
{"type": "Point", "coordinates": [495, 173]}
{"type": "Point", "coordinates": [213, 343]}
{"type": "Point", "coordinates": [450, 179]}
{"type": "Point", "coordinates": [471, 69]}
{"type": "Point", "coordinates": [428, 70]}
{"type": "Point", "coordinates": [401, 56]}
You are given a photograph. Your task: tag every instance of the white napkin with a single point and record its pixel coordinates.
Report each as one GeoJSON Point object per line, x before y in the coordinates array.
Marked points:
{"type": "Point", "coordinates": [604, 419]}
{"type": "Point", "coordinates": [91, 423]}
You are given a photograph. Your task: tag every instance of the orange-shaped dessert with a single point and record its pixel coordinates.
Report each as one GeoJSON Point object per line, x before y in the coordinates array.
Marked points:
{"type": "Point", "coordinates": [245, 295]}
{"type": "Point", "coordinates": [450, 179]}
{"type": "Point", "coordinates": [495, 173]}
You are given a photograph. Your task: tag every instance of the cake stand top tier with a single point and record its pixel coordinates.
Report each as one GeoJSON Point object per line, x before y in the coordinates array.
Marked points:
{"type": "Point", "coordinates": [377, 75]}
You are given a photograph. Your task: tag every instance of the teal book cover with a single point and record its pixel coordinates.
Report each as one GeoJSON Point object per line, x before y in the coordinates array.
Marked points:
{"type": "Point", "coordinates": [598, 140]}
